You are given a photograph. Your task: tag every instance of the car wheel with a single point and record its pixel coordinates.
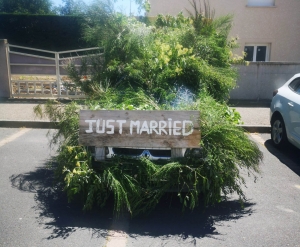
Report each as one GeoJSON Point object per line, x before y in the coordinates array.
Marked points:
{"type": "Point", "coordinates": [278, 132]}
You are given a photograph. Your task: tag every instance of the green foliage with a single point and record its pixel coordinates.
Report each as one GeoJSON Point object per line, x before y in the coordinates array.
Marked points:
{"type": "Point", "coordinates": [227, 149]}
{"type": "Point", "coordinates": [164, 66]}
{"type": "Point", "coordinates": [127, 180]}
{"type": "Point", "coordinates": [129, 99]}
{"type": "Point", "coordinates": [177, 51]}
{"type": "Point", "coordinates": [137, 185]}
{"type": "Point", "coordinates": [66, 118]}
{"type": "Point", "coordinates": [48, 32]}
{"type": "Point", "coordinates": [72, 7]}
{"type": "Point", "coordinates": [26, 6]}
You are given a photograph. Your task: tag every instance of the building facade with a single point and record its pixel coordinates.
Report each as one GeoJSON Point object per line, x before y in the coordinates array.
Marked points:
{"type": "Point", "coordinates": [268, 30]}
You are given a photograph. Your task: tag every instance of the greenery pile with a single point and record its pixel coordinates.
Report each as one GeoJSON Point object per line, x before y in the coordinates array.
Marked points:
{"type": "Point", "coordinates": [177, 63]}
{"type": "Point", "coordinates": [137, 185]}
{"type": "Point", "coordinates": [173, 52]}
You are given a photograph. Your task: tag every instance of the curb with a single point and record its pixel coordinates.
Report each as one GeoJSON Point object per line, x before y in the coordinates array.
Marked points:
{"type": "Point", "coordinates": [256, 128]}
{"type": "Point", "coordinates": [52, 125]}
{"type": "Point", "coordinates": [249, 103]}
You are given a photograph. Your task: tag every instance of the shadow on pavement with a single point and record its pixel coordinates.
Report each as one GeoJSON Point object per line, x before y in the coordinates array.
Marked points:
{"type": "Point", "coordinates": [54, 210]}
{"type": "Point", "coordinates": [199, 223]}
{"type": "Point", "coordinates": [289, 155]}
{"type": "Point", "coordinates": [63, 218]}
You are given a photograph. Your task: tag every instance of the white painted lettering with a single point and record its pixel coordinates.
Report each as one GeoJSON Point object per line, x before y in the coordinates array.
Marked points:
{"type": "Point", "coordinates": [135, 123]}
{"type": "Point", "coordinates": [121, 125]}
{"type": "Point", "coordinates": [190, 127]}
{"type": "Point", "coordinates": [112, 128]}
{"type": "Point", "coordinates": [176, 129]}
{"type": "Point", "coordinates": [90, 130]}
{"type": "Point", "coordinates": [153, 126]}
{"type": "Point", "coordinates": [162, 126]}
{"type": "Point", "coordinates": [98, 125]}
{"type": "Point", "coordinates": [144, 128]}
{"type": "Point", "coordinates": [170, 126]}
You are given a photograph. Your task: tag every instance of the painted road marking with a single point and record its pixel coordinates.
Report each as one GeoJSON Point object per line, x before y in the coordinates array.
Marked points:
{"type": "Point", "coordinates": [118, 238]}
{"type": "Point", "coordinates": [13, 137]}
{"type": "Point", "coordinates": [285, 209]}
{"type": "Point", "coordinates": [297, 186]}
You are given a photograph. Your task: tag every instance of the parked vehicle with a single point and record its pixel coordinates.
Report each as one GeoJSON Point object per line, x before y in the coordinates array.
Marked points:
{"type": "Point", "coordinates": [285, 113]}
{"type": "Point", "coordinates": [152, 154]}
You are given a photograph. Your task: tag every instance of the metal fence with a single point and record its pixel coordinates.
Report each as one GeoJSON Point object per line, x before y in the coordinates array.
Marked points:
{"type": "Point", "coordinates": [36, 73]}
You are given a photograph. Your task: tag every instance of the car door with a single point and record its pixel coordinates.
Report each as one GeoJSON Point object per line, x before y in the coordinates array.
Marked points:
{"type": "Point", "coordinates": [293, 102]}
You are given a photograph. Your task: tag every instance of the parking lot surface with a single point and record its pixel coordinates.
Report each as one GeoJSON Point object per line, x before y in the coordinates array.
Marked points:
{"type": "Point", "coordinates": [34, 212]}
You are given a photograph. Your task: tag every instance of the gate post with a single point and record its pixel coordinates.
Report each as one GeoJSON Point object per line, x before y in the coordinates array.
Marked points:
{"type": "Point", "coordinates": [57, 74]}
{"type": "Point", "coordinates": [5, 91]}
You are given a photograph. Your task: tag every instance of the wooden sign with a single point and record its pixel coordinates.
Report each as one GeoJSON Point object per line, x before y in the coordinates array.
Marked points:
{"type": "Point", "coordinates": [139, 129]}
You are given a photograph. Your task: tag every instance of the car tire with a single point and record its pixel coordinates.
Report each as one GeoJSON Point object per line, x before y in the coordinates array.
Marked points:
{"type": "Point", "coordinates": [278, 131]}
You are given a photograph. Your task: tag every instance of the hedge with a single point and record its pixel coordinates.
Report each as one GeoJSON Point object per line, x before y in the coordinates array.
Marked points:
{"type": "Point", "coordinates": [49, 32]}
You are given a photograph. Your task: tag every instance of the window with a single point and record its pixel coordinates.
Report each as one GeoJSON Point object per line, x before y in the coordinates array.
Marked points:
{"type": "Point", "coordinates": [261, 3]}
{"type": "Point", "coordinates": [295, 85]}
{"type": "Point", "coordinates": [256, 53]}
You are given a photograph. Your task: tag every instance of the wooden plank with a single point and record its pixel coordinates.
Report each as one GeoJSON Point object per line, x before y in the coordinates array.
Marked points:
{"type": "Point", "coordinates": [147, 129]}
{"type": "Point", "coordinates": [177, 152]}
{"type": "Point", "coordinates": [99, 153]}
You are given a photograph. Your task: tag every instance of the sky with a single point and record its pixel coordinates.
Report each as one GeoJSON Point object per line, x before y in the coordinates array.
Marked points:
{"type": "Point", "coordinates": [121, 5]}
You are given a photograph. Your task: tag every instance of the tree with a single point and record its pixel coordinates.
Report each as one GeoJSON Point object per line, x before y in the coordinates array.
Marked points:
{"type": "Point", "coordinates": [26, 6]}
{"type": "Point", "coordinates": [72, 7]}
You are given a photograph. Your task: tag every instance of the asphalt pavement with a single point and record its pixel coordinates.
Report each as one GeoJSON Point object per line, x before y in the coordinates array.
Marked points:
{"type": "Point", "coordinates": [34, 212]}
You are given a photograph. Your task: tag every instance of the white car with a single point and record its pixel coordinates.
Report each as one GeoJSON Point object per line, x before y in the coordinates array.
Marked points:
{"type": "Point", "coordinates": [285, 113]}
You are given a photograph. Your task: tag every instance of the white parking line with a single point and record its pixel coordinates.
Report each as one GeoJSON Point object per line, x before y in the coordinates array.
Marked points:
{"type": "Point", "coordinates": [285, 209]}
{"type": "Point", "coordinates": [13, 137]}
{"type": "Point", "coordinates": [118, 238]}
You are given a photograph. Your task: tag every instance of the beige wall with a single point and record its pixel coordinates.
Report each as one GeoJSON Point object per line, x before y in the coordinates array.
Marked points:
{"type": "Point", "coordinates": [278, 26]}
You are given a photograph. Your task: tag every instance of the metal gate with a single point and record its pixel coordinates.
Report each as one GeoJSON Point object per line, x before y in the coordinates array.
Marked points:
{"type": "Point", "coordinates": [36, 73]}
